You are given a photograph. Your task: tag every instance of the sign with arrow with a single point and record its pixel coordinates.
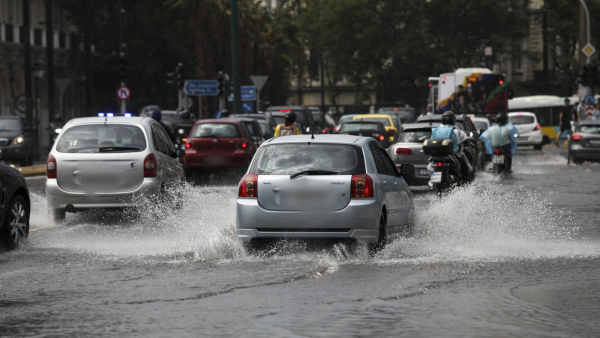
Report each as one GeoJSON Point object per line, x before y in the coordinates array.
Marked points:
{"type": "Point", "coordinates": [201, 87]}
{"type": "Point", "coordinates": [248, 93]}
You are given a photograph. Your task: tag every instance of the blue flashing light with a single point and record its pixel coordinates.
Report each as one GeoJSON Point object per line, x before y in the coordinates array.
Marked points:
{"type": "Point", "coordinates": [110, 114]}
{"type": "Point", "coordinates": [127, 115]}
{"type": "Point", "coordinates": [100, 114]}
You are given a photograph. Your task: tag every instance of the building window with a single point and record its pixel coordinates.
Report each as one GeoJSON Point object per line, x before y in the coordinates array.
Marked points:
{"type": "Point", "coordinates": [517, 64]}
{"type": "Point", "coordinates": [75, 40]}
{"type": "Point", "coordinates": [22, 34]}
{"type": "Point", "coordinates": [62, 40]}
{"type": "Point", "coordinates": [9, 33]}
{"type": "Point", "coordinates": [37, 37]}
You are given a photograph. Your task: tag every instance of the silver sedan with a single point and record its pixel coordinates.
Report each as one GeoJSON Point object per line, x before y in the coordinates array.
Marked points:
{"type": "Point", "coordinates": [105, 162]}
{"type": "Point", "coordinates": [329, 186]}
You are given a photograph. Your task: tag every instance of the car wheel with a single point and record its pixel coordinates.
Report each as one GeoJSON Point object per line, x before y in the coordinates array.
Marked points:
{"type": "Point", "coordinates": [188, 173]}
{"type": "Point", "coordinates": [16, 224]}
{"type": "Point", "coordinates": [381, 239]}
{"type": "Point", "coordinates": [59, 215]}
{"type": "Point", "coordinates": [538, 146]}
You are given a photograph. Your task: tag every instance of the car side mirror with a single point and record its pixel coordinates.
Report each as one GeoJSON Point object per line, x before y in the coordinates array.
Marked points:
{"type": "Point", "coordinates": [180, 153]}
{"type": "Point", "coordinates": [1, 154]}
{"type": "Point", "coordinates": [407, 169]}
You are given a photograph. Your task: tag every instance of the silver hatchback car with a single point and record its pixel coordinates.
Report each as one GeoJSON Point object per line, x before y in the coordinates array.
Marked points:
{"type": "Point", "coordinates": [329, 186]}
{"type": "Point", "coordinates": [105, 162]}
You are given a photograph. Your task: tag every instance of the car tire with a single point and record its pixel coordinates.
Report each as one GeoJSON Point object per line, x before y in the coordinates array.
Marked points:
{"type": "Point", "coordinates": [16, 224]}
{"type": "Point", "coordinates": [188, 173]}
{"type": "Point", "coordinates": [59, 215]}
{"type": "Point", "coordinates": [538, 146]}
{"type": "Point", "coordinates": [381, 239]}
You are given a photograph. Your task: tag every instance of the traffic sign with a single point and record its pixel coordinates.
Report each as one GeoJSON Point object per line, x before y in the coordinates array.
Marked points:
{"type": "Point", "coordinates": [21, 103]}
{"type": "Point", "coordinates": [219, 114]}
{"type": "Point", "coordinates": [201, 87]}
{"type": "Point", "coordinates": [123, 93]}
{"type": "Point", "coordinates": [259, 81]}
{"type": "Point", "coordinates": [247, 107]}
{"type": "Point", "coordinates": [187, 102]}
{"type": "Point", "coordinates": [588, 50]}
{"type": "Point", "coordinates": [589, 112]}
{"type": "Point", "coordinates": [589, 100]}
{"type": "Point", "coordinates": [248, 93]}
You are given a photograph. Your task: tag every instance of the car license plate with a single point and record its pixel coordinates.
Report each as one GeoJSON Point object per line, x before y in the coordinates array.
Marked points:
{"type": "Point", "coordinates": [436, 177]}
{"type": "Point", "coordinates": [595, 142]}
{"type": "Point", "coordinates": [422, 172]}
{"type": "Point", "coordinates": [498, 159]}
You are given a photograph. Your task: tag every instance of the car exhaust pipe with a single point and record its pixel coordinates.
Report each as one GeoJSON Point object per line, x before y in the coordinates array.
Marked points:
{"type": "Point", "coordinates": [71, 208]}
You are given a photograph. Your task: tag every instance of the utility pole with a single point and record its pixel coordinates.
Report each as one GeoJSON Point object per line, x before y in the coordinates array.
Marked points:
{"type": "Point", "coordinates": [584, 39]}
{"type": "Point", "coordinates": [322, 77]}
{"type": "Point", "coordinates": [235, 59]}
{"type": "Point", "coordinates": [545, 46]}
{"type": "Point", "coordinates": [27, 66]}
{"type": "Point", "coordinates": [122, 59]}
{"type": "Point", "coordinates": [50, 59]}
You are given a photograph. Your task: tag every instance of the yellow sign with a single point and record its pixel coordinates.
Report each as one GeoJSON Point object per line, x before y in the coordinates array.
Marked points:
{"type": "Point", "coordinates": [588, 50]}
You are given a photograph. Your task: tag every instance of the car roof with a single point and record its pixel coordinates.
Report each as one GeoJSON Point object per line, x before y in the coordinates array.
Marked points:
{"type": "Point", "coordinates": [420, 125]}
{"type": "Point", "coordinates": [285, 107]}
{"type": "Point", "coordinates": [249, 116]}
{"type": "Point", "coordinates": [114, 119]}
{"type": "Point", "coordinates": [364, 116]}
{"type": "Point", "coordinates": [521, 113]}
{"type": "Point", "coordinates": [484, 119]}
{"type": "Point", "coordinates": [10, 117]}
{"type": "Point", "coordinates": [590, 122]}
{"type": "Point", "coordinates": [320, 138]}
{"type": "Point", "coordinates": [227, 120]}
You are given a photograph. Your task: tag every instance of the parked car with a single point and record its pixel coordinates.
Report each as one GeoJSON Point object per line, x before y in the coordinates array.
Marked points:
{"type": "Point", "coordinates": [585, 142]}
{"type": "Point", "coordinates": [332, 186]}
{"type": "Point", "coordinates": [304, 118]}
{"type": "Point", "coordinates": [466, 124]}
{"type": "Point", "coordinates": [374, 129]}
{"type": "Point", "coordinates": [320, 120]}
{"type": "Point", "coordinates": [16, 140]}
{"type": "Point", "coordinates": [15, 207]}
{"type": "Point", "coordinates": [408, 149]}
{"type": "Point", "coordinates": [218, 143]}
{"type": "Point", "coordinates": [530, 131]}
{"type": "Point", "coordinates": [267, 125]}
{"type": "Point", "coordinates": [390, 126]}
{"type": "Point", "coordinates": [104, 162]}
{"type": "Point", "coordinates": [405, 114]}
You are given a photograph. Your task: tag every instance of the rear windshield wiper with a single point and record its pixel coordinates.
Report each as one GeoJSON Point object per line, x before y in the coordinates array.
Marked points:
{"type": "Point", "coordinates": [109, 149]}
{"type": "Point", "coordinates": [314, 172]}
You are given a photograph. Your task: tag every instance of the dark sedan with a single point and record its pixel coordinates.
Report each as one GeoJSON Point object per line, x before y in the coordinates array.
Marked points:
{"type": "Point", "coordinates": [16, 140]}
{"type": "Point", "coordinates": [15, 207]}
{"type": "Point", "coordinates": [585, 142]}
{"type": "Point", "coordinates": [374, 129]}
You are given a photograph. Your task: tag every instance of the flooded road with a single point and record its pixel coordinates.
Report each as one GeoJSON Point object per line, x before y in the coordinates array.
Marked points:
{"type": "Point", "coordinates": [515, 257]}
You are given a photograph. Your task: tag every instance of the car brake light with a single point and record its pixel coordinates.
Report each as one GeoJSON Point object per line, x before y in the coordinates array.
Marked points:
{"type": "Point", "coordinates": [150, 166]}
{"type": "Point", "coordinates": [519, 115]}
{"type": "Point", "coordinates": [184, 139]}
{"type": "Point", "coordinates": [537, 128]}
{"type": "Point", "coordinates": [285, 110]}
{"type": "Point", "coordinates": [381, 137]}
{"type": "Point", "coordinates": [501, 82]}
{"type": "Point", "coordinates": [396, 109]}
{"type": "Point", "coordinates": [576, 137]}
{"type": "Point", "coordinates": [362, 186]}
{"type": "Point", "coordinates": [404, 151]}
{"type": "Point", "coordinates": [242, 145]}
{"type": "Point", "coordinates": [189, 144]}
{"type": "Point", "coordinates": [496, 152]}
{"type": "Point", "coordinates": [248, 186]}
{"type": "Point", "coordinates": [324, 131]}
{"type": "Point", "coordinates": [51, 167]}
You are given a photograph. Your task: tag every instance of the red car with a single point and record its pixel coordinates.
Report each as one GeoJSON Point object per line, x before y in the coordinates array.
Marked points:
{"type": "Point", "coordinates": [218, 143]}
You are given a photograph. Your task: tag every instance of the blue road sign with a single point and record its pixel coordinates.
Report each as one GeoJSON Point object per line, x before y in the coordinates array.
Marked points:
{"type": "Point", "coordinates": [589, 100]}
{"type": "Point", "coordinates": [248, 93]}
{"type": "Point", "coordinates": [201, 87]}
{"type": "Point", "coordinates": [247, 107]}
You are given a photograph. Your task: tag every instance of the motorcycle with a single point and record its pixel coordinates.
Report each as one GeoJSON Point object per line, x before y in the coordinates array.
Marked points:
{"type": "Point", "coordinates": [445, 168]}
{"type": "Point", "coordinates": [499, 161]}
{"type": "Point", "coordinates": [55, 129]}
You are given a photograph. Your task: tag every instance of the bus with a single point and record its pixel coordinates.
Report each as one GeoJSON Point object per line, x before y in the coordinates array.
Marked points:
{"type": "Point", "coordinates": [547, 110]}
{"type": "Point", "coordinates": [475, 91]}
{"type": "Point", "coordinates": [432, 102]}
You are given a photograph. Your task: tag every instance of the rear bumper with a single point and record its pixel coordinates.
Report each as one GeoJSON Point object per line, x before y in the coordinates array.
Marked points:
{"type": "Point", "coordinates": [579, 152]}
{"type": "Point", "coordinates": [58, 198]}
{"type": "Point", "coordinates": [193, 159]}
{"type": "Point", "coordinates": [530, 139]}
{"type": "Point", "coordinates": [417, 179]}
{"type": "Point", "coordinates": [358, 220]}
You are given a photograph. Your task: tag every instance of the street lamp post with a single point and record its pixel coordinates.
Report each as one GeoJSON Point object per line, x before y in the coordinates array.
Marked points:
{"type": "Point", "coordinates": [38, 74]}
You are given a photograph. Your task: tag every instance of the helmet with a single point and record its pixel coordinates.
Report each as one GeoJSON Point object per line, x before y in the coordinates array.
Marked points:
{"type": "Point", "coordinates": [501, 119]}
{"type": "Point", "coordinates": [289, 118]}
{"type": "Point", "coordinates": [448, 118]}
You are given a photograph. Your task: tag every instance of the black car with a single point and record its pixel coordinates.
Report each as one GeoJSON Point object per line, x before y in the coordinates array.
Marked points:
{"type": "Point", "coordinates": [267, 125]}
{"type": "Point", "coordinates": [16, 140]}
{"type": "Point", "coordinates": [468, 127]}
{"type": "Point", "coordinates": [178, 122]}
{"type": "Point", "coordinates": [304, 117]}
{"type": "Point", "coordinates": [14, 206]}
{"type": "Point", "coordinates": [320, 121]}
{"type": "Point", "coordinates": [585, 142]}
{"type": "Point", "coordinates": [374, 129]}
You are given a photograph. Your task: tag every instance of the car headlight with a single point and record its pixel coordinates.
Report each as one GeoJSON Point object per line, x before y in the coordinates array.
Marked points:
{"type": "Point", "coordinates": [58, 130]}
{"type": "Point", "coordinates": [18, 140]}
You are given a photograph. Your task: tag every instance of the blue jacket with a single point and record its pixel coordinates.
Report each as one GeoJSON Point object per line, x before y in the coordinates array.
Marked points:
{"type": "Point", "coordinates": [446, 133]}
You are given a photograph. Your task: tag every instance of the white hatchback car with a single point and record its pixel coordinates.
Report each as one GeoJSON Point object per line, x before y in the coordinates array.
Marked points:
{"type": "Point", "coordinates": [530, 131]}
{"type": "Point", "coordinates": [104, 162]}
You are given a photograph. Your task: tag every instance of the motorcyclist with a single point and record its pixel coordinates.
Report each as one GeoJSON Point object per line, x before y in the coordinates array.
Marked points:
{"type": "Point", "coordinates": [448, 130]}
{"type": "Point", "coordinates": [501, 135]}
{"type": "Point", "coordinates": [157, 116]}
{"type": "Point", "coordinates": [288, 127]}
{"type": "Point", "coordinates": [56, 126]}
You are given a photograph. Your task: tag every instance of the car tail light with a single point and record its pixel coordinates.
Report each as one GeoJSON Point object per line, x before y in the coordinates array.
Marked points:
{"type": "Point", "coordinates": [242, 145]}
{"type": "Point", "coordinates": [381, 137]}
{"type": "Point", "coordinates": [150, 166]}
{"type": "Point", "coordinates": [189, 145]}
{"type": "Point", "coordinates": [519, 115]}
{"type": "Point", "coordinates": [324, 131]}
{"type": "Point", "coordinates": [362, 186]}
{"type": "Point", "coordinates": [538, 127]}
{"type": "Point", "coordinates": [496, 152]}
{"type": "Point", "coordinates": [51, 167]}
{"type": "Point", "coordinates": [184, 139]}
{"type": "Point", "coordinates": [285, 110]}
{"type": "Point", "coordinates": [576, 137]}
{"type": "Point", "coordinates": [248, 186]}
{"type": "Point", "coordinates": [440, 164]}
{"type": "Point", "coordinates": [404, 151]}
{"type": "Point", "coordinates": [331, 129]}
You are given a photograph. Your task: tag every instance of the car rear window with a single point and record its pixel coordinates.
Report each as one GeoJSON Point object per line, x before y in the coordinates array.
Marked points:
{"type": "Point", "coordinates": [98, 138]}
{"type": "Point", "coordinates": [221, 130]}
{"type": "Point", "coordinates": [481, 125]}
{"type": "Point", "coordinates": [291, 158]}
{"type": "Point", "coordinates": [278, 119]}
{"type": "Point", "coordinates": [319, 118]}
{"type": "Point", "coordinates": [415, 135]}
{"type": "Point", "coordinates": [349, 127]}
{"type": "Point", "coordinates": [588, 129]}
{"type": "Point", "coordinates": [385, 121]}
{"type": "Point", "coordinates": [521, 119]}
{"type": "Point", "coordinates": [10, 125]}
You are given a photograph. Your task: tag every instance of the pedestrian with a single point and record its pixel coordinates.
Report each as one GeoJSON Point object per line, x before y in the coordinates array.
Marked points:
{"type": "Point", "coordinates": [581, 111]}
{"type": "Point", "coordinates": [574, 115]}
{"type": "Point", "coordinates": [564, 120]}
{"type": "Point", "coordinates": [288, 127]}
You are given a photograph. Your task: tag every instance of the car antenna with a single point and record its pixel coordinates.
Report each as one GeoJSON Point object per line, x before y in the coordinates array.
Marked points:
{"type": "Point", "coordinates": [312, 132]}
